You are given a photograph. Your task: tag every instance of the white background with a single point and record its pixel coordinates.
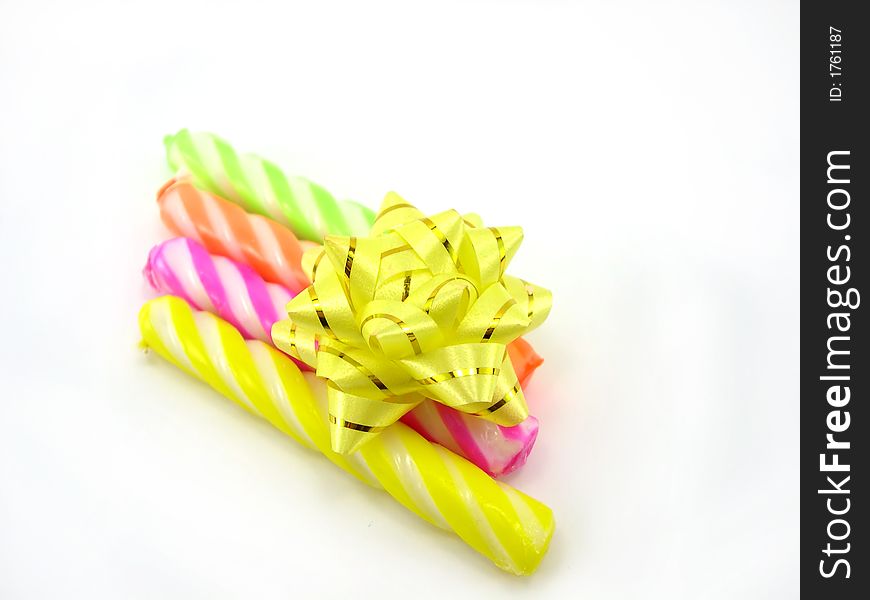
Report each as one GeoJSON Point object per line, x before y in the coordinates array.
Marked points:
{"type": "Point", "coordinates": [650, 151]}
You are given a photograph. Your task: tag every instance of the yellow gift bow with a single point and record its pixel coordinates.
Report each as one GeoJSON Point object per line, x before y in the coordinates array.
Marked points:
{"type": "Point", "coordinates": [421, 308]}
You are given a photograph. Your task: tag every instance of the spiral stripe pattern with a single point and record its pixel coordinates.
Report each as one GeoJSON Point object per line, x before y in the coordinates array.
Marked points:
{"type": "Point", "coordinates": [510, 528]}
{"type": "Point", "coordinates": [226, 229]}
{"type": "Point", "coordinates": [232, 291]}
{"type": "Point", "coordinates": [496, 449]}
{"type": "Point", "coordinates": [261, 187]}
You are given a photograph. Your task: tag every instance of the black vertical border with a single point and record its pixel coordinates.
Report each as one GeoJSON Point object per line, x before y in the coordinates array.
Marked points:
{"type": "Point", "coordinates": [833, 126]}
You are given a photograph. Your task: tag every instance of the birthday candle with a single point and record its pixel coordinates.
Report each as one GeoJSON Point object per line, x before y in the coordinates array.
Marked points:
{"type": "Point", "coordinates": [181, 267]}
{"type": "Point", "coordinates": [510, 528]}
{"type": "Point", "coordinates": [526, 361]}
{"type": "Point", "coordinates": [496, 449]}
{"type": "Point", "coordinates": [261, 187]}
{"type": "Point", "coordinates": [226, 229]}
{"type": "Point", "coordinates": [231, 290]}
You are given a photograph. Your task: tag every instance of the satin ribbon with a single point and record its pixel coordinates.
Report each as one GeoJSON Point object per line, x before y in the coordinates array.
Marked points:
{"type": "Point", "coordinates": [421, 308]}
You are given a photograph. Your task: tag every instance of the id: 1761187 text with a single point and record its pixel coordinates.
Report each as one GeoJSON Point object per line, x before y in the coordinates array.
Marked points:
{"type": "Point", "coordinates": [835, 68]}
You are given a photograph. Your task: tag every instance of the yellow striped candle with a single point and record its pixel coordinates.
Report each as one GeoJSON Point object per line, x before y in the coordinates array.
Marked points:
{"type": "Point", "coordinates": [510, 528]}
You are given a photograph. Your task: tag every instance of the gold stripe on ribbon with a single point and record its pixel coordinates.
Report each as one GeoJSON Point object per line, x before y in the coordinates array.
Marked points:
{"type": "Point", "coordinates": [348, 263]}
{"type": "Point", "coordinates": [510, 395]}
{"type": "Point", "coordinates": [412, 337]}
{"type": "Point", "coordinates": [293, 348]}
{"type": "Point", "coordinates": [355, 426]}
{"type": "Point", "coordinates": [530, 292]}
{"type": "Point", "coordinates": [357, 365]}
{"type": "Point", "coordinates": [491, 329]}
{"type": "Point", "coordinates": [502, 253]}
{"type": "Point", "coordinates": [319, 310]}
{"type": "Point", "coordinates": [396, 250]}
{"type": "Point", "coordinates": [407, 287]}
{"type": "Point", "coordinates": [459, 373]}
{"type": "Point", "coordinates": [428, 305]}
{"type": "Point", "coordinates": [316, 263]}
{"type": "Point", "coordinates": [440, 235]}
{"type": "Point", "coordinates": [394, 207]}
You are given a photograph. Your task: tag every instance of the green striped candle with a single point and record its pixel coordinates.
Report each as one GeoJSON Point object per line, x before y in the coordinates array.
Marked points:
{"type": "Point", "coordinates": [259, 186]}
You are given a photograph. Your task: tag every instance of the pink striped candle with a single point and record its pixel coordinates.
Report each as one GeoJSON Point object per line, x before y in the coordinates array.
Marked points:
{"type": "Point", "coordinates": [231, 290]}
{"type": "Point", "coordinates": [495, 449]}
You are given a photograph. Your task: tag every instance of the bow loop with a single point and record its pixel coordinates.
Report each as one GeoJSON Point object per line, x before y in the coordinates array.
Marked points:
{"type": "Point", "coordinates": [323, 308]}
{"type": "Point", "coordinates": [355, 261]}
{"type": "Point", "coordinates": [361, 373]}
{"type": "Point", "coordinates": [535, 300]}
{"type": "Point", "coordinates": [487, 251]}
{"type": "Point", "coordinates": [436, 241]}
{"type": "Point", "coordinates": [445, 298]}
{"type": "Point", "coordinates": [462, 376]}
{"type": "Point", "coordinates": [495, 317]}
{"type": "Point", "coordinates": [394, 213]}
{"type": "Point", "coordinates": [298, 343]}
{"type": "Point", "coordinates": [398, 329]}
{"type": "Point", "coordinates": [311, 261]}
{"type": "Point", "coordinates": [393, 258]}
